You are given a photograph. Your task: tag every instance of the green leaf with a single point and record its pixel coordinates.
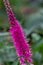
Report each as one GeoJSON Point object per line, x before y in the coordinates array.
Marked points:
{"type": "Point", "coordinates": [38, 46]}
{"type": "Point", "coordinates": [37, 56]}
{"type": "Point", "coordinates": [35, 37]}
{"type": "Point", "coordinates": [16, 62]}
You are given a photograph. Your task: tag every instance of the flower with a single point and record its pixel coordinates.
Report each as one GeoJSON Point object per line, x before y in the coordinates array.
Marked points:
{"type": "Point", "coordinates": [23, 49]}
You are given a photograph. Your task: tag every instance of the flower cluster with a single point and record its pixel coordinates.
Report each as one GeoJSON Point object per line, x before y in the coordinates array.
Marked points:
{"type": "Point", "coordinates": [23, 49]}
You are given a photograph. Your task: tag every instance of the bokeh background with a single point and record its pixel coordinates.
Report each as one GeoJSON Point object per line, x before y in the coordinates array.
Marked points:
{"type": "Point", "coordinates": [30, 15]}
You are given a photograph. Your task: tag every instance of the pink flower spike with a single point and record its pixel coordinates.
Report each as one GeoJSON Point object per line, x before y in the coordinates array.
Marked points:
{"type": "Point", "coordinates": [22, 47]}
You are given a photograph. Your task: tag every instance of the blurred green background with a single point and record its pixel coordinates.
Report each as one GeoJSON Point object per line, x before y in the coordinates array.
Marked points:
{"type": "Point", "coordinates": [30, 15]}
